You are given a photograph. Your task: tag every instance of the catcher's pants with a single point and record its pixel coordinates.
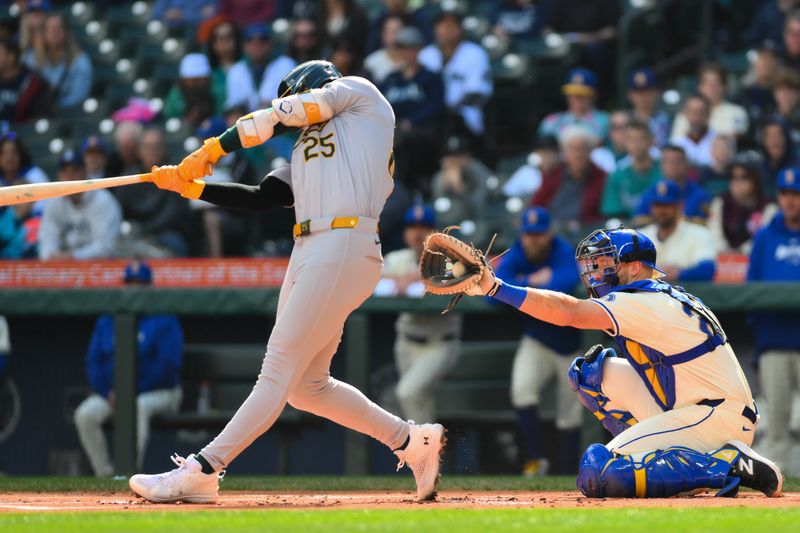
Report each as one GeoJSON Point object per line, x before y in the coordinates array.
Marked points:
{"type": "Point", "coordinates": [330, 274]}
{"type": "Point", "coordinates": [779, 371]}
{"type": "Point", "coordinates": [95, 410]}
{"type": "Point", "coordinates": [534, 366]}
{"type": "Point", "coordinates": [699, 427]}
{"type": "Point", "coordinates": [421, 366]}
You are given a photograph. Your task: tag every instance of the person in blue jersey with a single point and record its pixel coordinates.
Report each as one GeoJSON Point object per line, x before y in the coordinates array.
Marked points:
{"type": "Point", "coordinates": [539, 258]}
{"type": "Point", "coordinates": [775, 256]}
{"type": "Point", "coordinates": [160, 342]}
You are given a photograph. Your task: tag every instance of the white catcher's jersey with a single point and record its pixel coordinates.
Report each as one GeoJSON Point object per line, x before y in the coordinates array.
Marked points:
{"type": "Point", "coordinates": [659, 322]}
{"type": "Point", "coordinates": [343, 167]}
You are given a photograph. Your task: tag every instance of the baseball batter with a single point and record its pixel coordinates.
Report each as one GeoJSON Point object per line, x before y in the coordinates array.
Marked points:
{"type": "Point", "coordinates": [678, 403]}
{"type": "Point", "coordinates": [338, 182]}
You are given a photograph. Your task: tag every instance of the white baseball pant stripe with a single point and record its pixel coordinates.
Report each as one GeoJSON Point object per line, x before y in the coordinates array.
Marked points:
{"type": "Point", "coordinates": [699, 427]}
{"type": "Point", "coordinates": [93, 412]}
{"type": "Point", "coordinates": [534, 366]}
{"type": "Point", "coordinates": [330, 274]}
{"type": "Point", "coordinates": [422, 365]}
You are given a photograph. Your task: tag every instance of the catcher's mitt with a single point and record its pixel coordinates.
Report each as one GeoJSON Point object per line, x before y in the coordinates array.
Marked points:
{"type": "Point", "coordinates": [451, 266]}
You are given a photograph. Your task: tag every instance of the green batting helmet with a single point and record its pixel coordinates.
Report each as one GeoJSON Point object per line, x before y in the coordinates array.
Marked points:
{"type": "Point", "coordinates": [307, 76]}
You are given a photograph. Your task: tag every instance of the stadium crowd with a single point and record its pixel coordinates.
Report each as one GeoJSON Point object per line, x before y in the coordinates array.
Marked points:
{"type": "Point", "coordinates": [715, 172]}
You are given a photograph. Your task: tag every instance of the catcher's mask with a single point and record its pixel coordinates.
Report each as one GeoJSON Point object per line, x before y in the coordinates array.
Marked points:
{"type": "Point", "coordinates": [307, 76]}
{"type": "Point", "coordinates": [621, 246]}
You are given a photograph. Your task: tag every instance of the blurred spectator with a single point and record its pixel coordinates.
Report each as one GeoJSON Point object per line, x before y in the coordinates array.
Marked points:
{"type": "Point", "coordinates": [466, 73]}
{"type": "Point", "coordinates": [540, 259]}
{"type": "Point", "coordinates": [94, 152]}
{"type": "Point", "coordinates": [610, 156]}
{"type": "Point", "coordinates": [726, 118]}
{"type": "Point", "coordinates": [790, 51]}
{"type": "Point", "coordinates": [778, 151]}
{"type": "Point", "coordinates": [344, 20]}
{"type": "Point", "coordinates": [253, 80]}
{"type": "Point", "coordinates": [31, 28]}
{"type": "Point", "coordinates": [573, 189]}
{"type": "Point", "coordinates": [756, 96]}
{"type": "Point", "coordinates": [346, 58]}
{"type": "Point", "coordinates": [527, 179]}
{"type": "Point", "coordinates": [152, 212]}
{"type": "Point", "coordinates": [426, 346]}
{"type": "Point", "coordinates": [766, 24]}
{"type": "Point", "coordinates": [740, 211]}
{"type": "Point", "coordinates": [412, 16]}
{"type": "Point", "coordinates": [179, 13]}
{"type": "Point", "coordinates": [686, 250]}
{"type": "Point", "coordinates": [592, 26]}
{"type": "Point", "coordinates": [714, 178]}
{"type": "Point", "coordinates": [624, 188]}
{"type": "Point", "coordinates": [23, 94]}
{"type": "Point", "coordinates": [305, 41]}
{"type": "Point", "coordinates": [416, 95]}
{"type": "Point", "coordinates": [65, 67]}
{"type": "Point", "coordinates": [16, 163]}
{"type": "Point", "coordinates": [675, 168]}
{"type": "Point", "coordinates": [384, 60]}
{"type": "Point", "coordinates": [160, 354]}
{"type": "Point", "coordinates": [462, 180]}
{"type": "Point", "coordinates": [227, 232]}
{"type": "Point", "coordinates": [775, 257]}
{"type": "Point", "coordinates": [786, 94]}
{"type": "Point", "coordinates": [244, 12]}
{"type": "Point", "coordinates": [696, 143]}
{"type": "Point", "coordinates": [644, 94]}
{"type": "Point", "coordinates": [519, 20]}
{"type": "Point", "coordinates": [124, 160]}
{"type": "Point", "coordinates": [79, 226]}
{"type": "Point", "coordinates": [193, 98]}
{"type": "Point", "coordinates": [12, 237]}
{"type": "Point", "coordinates": [580, 90]}
{"type": "Point", "coordinates": [224, 50]}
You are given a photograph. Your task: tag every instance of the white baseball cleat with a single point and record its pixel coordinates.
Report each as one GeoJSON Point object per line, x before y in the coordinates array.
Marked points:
{"type": "Point", "coordinates": [423, 453]}
{"type": "Point", "coordinates": [187, 483]}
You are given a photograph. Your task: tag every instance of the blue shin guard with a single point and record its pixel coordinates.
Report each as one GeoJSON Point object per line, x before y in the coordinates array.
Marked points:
{"type": "Point", "coordinates": [660, 474]}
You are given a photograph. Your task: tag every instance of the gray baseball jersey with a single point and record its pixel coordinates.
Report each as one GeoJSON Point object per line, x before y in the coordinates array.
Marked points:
{"type": "Point", "coordinates": [343, 167]}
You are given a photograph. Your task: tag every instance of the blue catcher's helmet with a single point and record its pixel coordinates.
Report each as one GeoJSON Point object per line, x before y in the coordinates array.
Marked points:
{"type": "Point", "coordinates": [623, 246]}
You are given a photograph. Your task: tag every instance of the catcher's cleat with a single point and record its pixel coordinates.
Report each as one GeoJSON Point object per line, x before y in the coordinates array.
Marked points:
{"type": "Point", "coordinates": [423, 455]}
{"type": "Point", "coordinates": [536, 468]}
{"type": "Point", "coordinates": [187, 483]}
{"type": "Point", "coordinates": [754, 471]}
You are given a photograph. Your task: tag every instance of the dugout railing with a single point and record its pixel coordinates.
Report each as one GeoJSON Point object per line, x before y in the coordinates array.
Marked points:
{"type": "Point", "coordinates": [126, 303]}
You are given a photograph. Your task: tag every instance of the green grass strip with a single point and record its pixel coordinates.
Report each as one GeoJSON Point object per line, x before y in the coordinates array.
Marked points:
{"type": "Point", "coordinates": [650, 520]}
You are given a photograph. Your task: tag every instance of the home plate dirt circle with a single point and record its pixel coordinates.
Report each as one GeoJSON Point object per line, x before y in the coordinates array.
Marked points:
{"type": "Point", "coordinates": [232, 500]}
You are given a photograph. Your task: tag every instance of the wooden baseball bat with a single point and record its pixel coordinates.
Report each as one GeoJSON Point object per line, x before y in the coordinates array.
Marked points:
{"type": "Point", "coordinates": [33, 192]}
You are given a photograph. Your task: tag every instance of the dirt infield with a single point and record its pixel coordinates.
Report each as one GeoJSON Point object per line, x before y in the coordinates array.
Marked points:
{"type": "Point", "coordinates": [233, 500]}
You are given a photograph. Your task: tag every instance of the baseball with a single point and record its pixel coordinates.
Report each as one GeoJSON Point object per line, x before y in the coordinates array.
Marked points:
{"type": "Point", "coordinates": [458, 269]}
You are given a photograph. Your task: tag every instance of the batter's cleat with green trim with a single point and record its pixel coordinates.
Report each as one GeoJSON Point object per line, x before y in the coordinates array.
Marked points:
{"type": "Point", "coordinates": [187, 483]}
{"type": "Point", "coordinates": [423, 456]}
{"type": "Point", "coordinates": [755, 471]}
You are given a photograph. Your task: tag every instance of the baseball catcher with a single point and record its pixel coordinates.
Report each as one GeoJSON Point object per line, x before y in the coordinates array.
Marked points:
{"type": "Point", "coordinates": [673, 394]}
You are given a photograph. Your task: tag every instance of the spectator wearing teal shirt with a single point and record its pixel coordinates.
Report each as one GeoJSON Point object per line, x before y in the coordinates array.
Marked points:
{"type": "Point", "coordinates": [624, 187]}
{"type": "Point", "coordinates": [579, 89]}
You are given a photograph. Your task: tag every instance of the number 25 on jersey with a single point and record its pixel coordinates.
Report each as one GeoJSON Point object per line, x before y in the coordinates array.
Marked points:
{"type": "Point", "coordinates": [318, 146]}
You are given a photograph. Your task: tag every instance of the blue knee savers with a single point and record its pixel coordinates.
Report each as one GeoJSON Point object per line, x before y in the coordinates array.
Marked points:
{"type": "Point", "coordinates": [585, 376]}
{"type": "Point", "coordinates": [660, 474]}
